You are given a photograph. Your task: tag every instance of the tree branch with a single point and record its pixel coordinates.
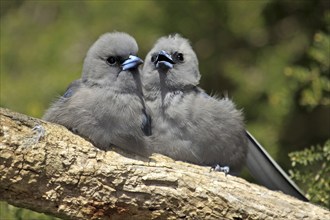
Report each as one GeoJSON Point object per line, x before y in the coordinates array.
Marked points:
{"type": "Point", "coordinates": [64, 175]}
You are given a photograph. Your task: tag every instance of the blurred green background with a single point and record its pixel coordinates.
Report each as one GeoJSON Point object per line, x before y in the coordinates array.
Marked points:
{"type": "Point", "coordinates": [271, 57]}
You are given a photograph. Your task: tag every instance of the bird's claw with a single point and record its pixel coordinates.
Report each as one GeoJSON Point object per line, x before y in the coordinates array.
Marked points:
{"type": "Point", "coordinates": [224, 169]}
{"type": "Point", "coordinates": [39, 132]}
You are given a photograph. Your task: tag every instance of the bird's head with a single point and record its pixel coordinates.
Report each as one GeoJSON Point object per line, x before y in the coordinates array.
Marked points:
{"type": "Point", "coordinates": [111, 61]}
{"type": "Point", "coordinates": [172, 59]}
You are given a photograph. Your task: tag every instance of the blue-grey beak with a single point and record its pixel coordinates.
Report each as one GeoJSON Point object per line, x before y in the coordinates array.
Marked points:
{"type": "Point", "coordinates": [164, 60]}
{"type": "Point", "coordinates": [131, 62]}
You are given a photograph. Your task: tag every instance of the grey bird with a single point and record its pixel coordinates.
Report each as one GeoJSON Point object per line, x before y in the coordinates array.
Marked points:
{"type": "Point", "coordinates": [191, 126]}
{"type": "Point", "coordinates": [106, 104]}
{"type": "Point", "coordinates": [187, 124]}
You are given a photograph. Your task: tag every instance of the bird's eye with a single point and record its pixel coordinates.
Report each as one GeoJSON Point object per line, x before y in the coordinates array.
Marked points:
{"type": "Point", "coordinates": [179, 57]}
{"type": "Point", "coordinates": [111, 60]}
{"type": "Point", "coordinates": [153, 58]}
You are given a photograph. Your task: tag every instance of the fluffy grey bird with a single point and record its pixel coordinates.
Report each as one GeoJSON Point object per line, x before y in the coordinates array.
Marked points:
{"type": "Point", "coordinates": [191, 126]}
{"type": "Point", "coordinates": [106, 104]}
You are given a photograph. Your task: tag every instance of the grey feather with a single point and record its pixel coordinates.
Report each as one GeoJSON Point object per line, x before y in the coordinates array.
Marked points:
{"type": "Point", "coordinates": [106, 105]}
{"type": "Point", "coordinates": [267, 172]}
{"type": "Point", "coordinates": [188, 124]}
{"type": "Point", "coordinates": [191, 126]}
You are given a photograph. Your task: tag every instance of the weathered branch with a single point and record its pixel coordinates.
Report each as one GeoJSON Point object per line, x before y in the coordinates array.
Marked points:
{"type": "Point", "coordinates": [64, 175]}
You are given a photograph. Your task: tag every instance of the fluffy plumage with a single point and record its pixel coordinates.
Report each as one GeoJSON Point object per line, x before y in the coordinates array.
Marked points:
{"type": "Point", "coordinates": [191, 126]}
{"type": "Point", "coordinates": [188, 124]}
{"type": "Point", "coordinates": [106, 104]}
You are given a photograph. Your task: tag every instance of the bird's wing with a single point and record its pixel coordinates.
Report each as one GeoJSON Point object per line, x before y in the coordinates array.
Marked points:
{"type": "Point", "coordinates": [267, 172]}
{"type": "Point", "coordinates": [72, 88]}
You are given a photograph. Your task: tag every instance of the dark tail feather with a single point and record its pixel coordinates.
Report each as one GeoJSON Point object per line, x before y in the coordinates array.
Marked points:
{"type": "Point", "coordinates": [267, 172]}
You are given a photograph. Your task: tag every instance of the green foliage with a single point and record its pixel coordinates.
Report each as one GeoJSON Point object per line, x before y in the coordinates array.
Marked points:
{"type": "Point", "coordinates": [314, 81]}
{"type": "Point", "coordinates": [243, 49]}
{"type": "Point", "coordinates": [311, 167]}
{"type": "Point", "coordinates": [8, 212]}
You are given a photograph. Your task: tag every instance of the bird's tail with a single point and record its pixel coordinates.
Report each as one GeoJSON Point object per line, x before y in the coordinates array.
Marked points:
{"type": "Point", "coordinates": [267, 172]}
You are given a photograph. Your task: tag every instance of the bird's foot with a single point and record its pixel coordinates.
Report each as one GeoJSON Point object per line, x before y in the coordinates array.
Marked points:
{"type": "Point", "coordinates": [39, 132]}
{"type": "Point", "coordinates": [224, 169]}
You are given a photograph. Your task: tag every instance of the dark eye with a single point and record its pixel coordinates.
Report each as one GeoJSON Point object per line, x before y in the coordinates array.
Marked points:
{"type": "Point", "coordinates": [153, 58]}
{"type": "Point", "coordinates": [111, 60]}
{"type": "Point", "coordinates": [179, 57]}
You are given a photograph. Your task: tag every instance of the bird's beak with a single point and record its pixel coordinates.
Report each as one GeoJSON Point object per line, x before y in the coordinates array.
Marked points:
{"type": "Point", "coordinates": [131, 62]}
{"type": "Point", "coordinates": [164, 60]}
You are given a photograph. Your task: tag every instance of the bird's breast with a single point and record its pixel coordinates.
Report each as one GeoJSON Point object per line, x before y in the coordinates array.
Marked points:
{"type": "Point", "coordinates": [172, 98]}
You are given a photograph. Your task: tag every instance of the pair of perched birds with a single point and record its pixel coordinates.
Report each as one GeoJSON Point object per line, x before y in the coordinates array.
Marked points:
{"type": "Point", "coordinates": [160, 109]}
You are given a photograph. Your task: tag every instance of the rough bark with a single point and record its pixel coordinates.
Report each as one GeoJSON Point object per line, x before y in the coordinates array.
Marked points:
{"type": "Point", "coordinates": [66, 176]}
